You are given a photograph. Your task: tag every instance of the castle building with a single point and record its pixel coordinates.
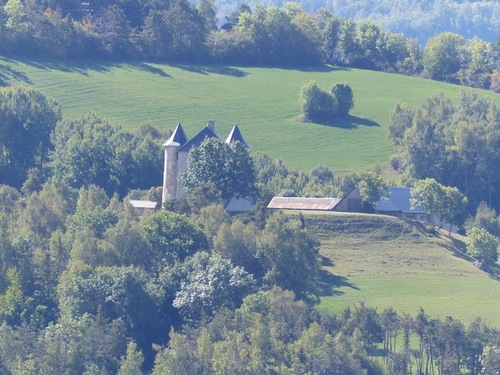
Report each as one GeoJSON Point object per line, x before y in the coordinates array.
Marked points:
{"type": "Point", "coordinates": [176, 154]}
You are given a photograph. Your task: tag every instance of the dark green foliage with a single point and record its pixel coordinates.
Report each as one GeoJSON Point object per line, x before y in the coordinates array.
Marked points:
{"type": "Point", "coordinates": [276, 34]}
{"type": "Point", "coordinates": [443, 57]}
{"type": "Point", "coordinates": [227, 167]}
{"type": "Point", "coordinates": [172, 238]}
{"type": "Point", "coordinates": [92, 151]}
{"type": "Point", "coordinates": [202, 196]}
{"type": "Point", "coordinates": [485, 218]}
{"type": "Point", "coordinates": [317, 104]}
{"type": "Point", "coordinates": [321, 174]}
{"type": "Point", "coordinates": [125, 293]}
{"type": "Point", "coordinates": [289, 255]}
{"type": "Point", "coordinates": [455, 145]}
{"type": "Point", "coordinates": [27, 119]}
{"type": "Point", "coordinates": [322, 106]}
{"type": "Point", "coordinates": [482, 246]}
{"type": "Point", "coordinates": [343, 93]}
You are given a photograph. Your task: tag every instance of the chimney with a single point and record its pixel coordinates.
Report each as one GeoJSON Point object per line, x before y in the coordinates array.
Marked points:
{"type": "Point", "coordinates": [211, 125]}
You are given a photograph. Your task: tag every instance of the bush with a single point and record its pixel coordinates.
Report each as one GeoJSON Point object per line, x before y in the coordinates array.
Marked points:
{"type": "Point", "coordinates": [482, 245]}
{"type": "Point", "coordinates": [343, 93]}
{"type": "Point", "coordinates": [319, 105]}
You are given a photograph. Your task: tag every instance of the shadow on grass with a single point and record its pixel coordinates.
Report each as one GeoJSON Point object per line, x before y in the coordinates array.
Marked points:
{"type": "Point", "coordinates": [213, 69]}
{"type": "Point", "coordinates": [346, 122]}
{"type": "Point", "coordinates": [8, 73]}
{"type": "Point", "coordinates": [151, 69]}
{"type": "Point", "coordinates": [304, 69]}
{"type": "Point", "coordinates": [72, 66]}
{"type": "Point", "coordinates": [328, 283]}
{"type": "Point", "coordinates": [494, 271]}
{"type": "Point", "coordinates": [459, 248]}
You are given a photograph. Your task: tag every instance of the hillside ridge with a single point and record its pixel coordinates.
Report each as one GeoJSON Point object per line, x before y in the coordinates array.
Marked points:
{"type": "Point", "coordinates": [385, 261]}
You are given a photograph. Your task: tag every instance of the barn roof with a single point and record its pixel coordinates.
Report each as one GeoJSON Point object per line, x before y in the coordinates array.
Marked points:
{"type": "Point", "coordinates": [397, 201]}
{"type": "Point", "coordinates": [298, 203]}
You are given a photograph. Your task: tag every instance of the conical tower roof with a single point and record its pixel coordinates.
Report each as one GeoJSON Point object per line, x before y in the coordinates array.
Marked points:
{"type": "Point", "coordinates": [236, 135]}
{"type": "Point", "coordinates": [178, 136]}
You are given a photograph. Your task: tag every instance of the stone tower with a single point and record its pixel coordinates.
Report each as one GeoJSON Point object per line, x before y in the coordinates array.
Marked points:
{"type": "Point", "coordinates": [171, 163]}
{"type": "Point", "coordinates": [176, 159]}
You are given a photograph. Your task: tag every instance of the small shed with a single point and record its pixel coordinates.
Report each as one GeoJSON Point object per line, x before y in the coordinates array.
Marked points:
{"type": "Point", "coordinates": [143, 207]}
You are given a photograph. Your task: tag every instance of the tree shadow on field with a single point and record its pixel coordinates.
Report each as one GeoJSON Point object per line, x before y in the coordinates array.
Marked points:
{"type": "Point", "coordinates": [213, 69]}
{"type": "Point", "coordinates": [459, 250]}
{"type": "Point", "coordinates": [328, 283]}
{"type": "Point", "coordinates": [7, 73]}
{"type": "Point", "coordinates": [345, 122]}
{"type": "Point", "coordinates": [72, 66]}
{"type": "Point", "coordinates": [151, 69]}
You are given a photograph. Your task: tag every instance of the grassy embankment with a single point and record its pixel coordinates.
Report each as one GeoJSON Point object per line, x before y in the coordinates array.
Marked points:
{"type": "Point", "coordinates": [385, 262]}
{"type": "Point", "coordinates": [263, 101]}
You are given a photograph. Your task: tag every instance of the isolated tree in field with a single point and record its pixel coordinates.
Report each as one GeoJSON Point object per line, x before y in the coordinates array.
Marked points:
{"type": "Point", "coordinates": [27, 118]}
{"type": "Point", "coordinates": [343, 93]}
{"type": "Point", "coordinates": [317, 104]}
{"type": "Point", "coordinates": [228, 167]}
{"type": "Point", "coordinates": [482, 245]}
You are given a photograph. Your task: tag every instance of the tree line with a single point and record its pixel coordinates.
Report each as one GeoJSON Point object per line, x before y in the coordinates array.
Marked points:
{"type": "Point", "coordinates": [415, 19]}
{"type": "Point", "coordinates": [179, 32]}
{"type": "Point", "coordinates": [457, 145]}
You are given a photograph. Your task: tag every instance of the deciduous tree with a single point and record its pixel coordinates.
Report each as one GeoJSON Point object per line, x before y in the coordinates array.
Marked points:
{"type": "Point", "coordinates": [27, 119]}
{"type": "Point", "coordinates": [343, 93]}
{"type": "Point", "coordinates": [229, 167]}
{"type": "Point", "coordinates": [482, 245]}
{"type": "Point", "coordinates": [290, 256]}
{"type": "Point", "coordinates": [317, 104]}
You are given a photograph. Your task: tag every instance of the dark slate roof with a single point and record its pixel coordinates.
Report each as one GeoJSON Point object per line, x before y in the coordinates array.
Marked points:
{"type": "Point", "coordinates": [236, 135]}
{"type": "Point", "coordinates": [206, 132]}
{"type": "Point", "coordinates": [178, 136]}
{"type": "Point", "coordinates": [397, 201]}
{"type": "Point", "coordinates": [298, 203]}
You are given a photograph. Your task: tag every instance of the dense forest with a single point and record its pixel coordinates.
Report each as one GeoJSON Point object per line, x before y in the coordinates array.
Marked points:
{"type": "Point", "coordinates": [421, 19]}
{"type": "Point", "coordinates": [178, 31]}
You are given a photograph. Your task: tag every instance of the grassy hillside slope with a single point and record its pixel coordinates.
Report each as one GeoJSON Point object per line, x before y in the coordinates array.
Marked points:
{"type": "Point", "coordinates": [385, 262]}
{"type": "Point", "coordinates": [264, 102]}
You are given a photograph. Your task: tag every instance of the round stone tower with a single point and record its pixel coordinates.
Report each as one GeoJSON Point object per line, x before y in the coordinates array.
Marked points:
{"type": "Point", "coordinates": [171, 164]}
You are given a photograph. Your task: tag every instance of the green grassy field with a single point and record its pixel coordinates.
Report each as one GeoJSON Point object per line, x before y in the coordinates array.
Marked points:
{"type": "Point", "coordinates": [264, 102]}
{"type": "Point", "coordinates": [385, 262]}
